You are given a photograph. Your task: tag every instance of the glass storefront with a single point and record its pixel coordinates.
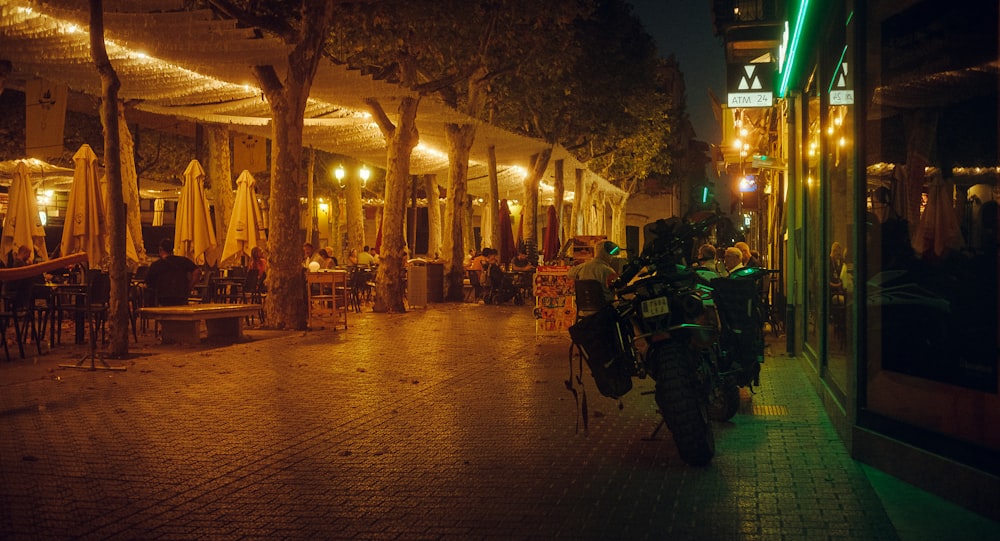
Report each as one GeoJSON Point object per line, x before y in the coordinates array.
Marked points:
{"type": "Point", "coordinates": [931, 236]}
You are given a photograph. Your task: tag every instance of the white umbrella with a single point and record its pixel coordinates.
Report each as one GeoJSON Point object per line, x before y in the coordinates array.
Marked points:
{"type": "Point", "coordinates": [246, 228]}
{"type": "Point", "coordinates": [131, 252]}
{"type": "Point", "coordinates": [85, 226]}
{"type": "Point", "coordinates": [194, 235]}
{"type": "Point", "coordinates": [22, 226]}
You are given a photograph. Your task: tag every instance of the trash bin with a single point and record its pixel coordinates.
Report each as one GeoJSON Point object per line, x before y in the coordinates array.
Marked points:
{"type": "Point", "coordinates": [435, 282]}
{"type": "Point", "coordinates": [416, 286]}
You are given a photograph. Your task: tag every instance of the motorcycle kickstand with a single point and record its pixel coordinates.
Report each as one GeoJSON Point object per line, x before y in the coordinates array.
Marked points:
{"type": "Point", "coordinates": [652, 437]}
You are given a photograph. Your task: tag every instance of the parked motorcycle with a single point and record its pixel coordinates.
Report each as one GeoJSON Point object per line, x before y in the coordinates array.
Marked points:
{"type": "Point", "coordinates": [667, 322]}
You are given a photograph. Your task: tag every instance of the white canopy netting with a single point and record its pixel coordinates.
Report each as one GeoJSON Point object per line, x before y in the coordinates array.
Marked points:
{"type": "Point", "coordinates": [189, 66]}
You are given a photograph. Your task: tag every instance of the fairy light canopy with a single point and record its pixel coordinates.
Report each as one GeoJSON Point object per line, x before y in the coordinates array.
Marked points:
{"type": "Point", "coordinates": [187, 65]}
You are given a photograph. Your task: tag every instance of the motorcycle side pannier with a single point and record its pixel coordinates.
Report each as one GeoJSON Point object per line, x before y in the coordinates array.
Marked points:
{"type": "Point", "coordinates": [600, 337]}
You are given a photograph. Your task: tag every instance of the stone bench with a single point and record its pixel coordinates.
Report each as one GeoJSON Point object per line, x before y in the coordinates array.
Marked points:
{"type": "Point", "coordinates": [182, 324]}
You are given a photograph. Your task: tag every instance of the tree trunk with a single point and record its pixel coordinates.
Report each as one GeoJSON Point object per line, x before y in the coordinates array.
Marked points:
{"type": "Point", "coordinates": [118, 306]}
{"type": "Point", "coordinates": [285, 306]}
{"type": "Point", "coordinates": [220, 175]}
{"type": "Point", "coordinates": [286, 285]}
{"type": "Point", "coordinates": [539, 163]}
{"type": "Point", "coordinates": [618, 216]}
{"type": "Point", "coordinates": [493, 201]}
{"type": "Point", "coordinates": [579, 197]}
{"type": "Point", "coordinates": [401, 140]}
{"type": "Point", "coordinates": [433, 217]}
{"type": "Point", "coordinates": [460, 139]}
{"type": "Point", "coordinates": [355, 212]}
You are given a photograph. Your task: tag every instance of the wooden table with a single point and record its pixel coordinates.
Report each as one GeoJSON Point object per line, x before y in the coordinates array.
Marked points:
{"type": "Point", "coordinates": [327, 292]}
{"type": "Point", "coordinates": [182, 324]}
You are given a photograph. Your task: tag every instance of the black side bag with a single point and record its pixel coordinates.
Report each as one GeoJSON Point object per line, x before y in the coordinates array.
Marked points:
{"type": "Point", "coordinates": [600, 337]}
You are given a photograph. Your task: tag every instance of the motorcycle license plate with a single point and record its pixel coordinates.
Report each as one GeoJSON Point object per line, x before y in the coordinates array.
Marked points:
{"type": "Point", "coordinates": [655, 307]}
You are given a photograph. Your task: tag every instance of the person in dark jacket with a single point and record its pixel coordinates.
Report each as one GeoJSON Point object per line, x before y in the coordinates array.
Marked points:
{"type": "Point", "coordinates": [172, 277]}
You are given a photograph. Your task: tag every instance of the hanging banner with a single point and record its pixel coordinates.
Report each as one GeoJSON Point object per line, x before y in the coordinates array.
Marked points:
{"type": "Point", "coordinates": [249, 153]}
{"type": "Point", "coordinates": [45, 117]}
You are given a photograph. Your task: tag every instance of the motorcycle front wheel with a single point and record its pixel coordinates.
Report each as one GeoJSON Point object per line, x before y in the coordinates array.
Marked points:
{"type": "Point", "coordinates": [682, 403]}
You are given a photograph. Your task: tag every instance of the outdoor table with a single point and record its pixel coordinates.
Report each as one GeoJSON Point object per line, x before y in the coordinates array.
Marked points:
{"type": "Point", "coordinates": [227, 289]}
{"type": "Point", "coordinates": [329, 295]}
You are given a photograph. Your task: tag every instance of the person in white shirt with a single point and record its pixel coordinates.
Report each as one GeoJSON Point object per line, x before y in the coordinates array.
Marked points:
{"type": "Point", "coordinates": [365, 258]}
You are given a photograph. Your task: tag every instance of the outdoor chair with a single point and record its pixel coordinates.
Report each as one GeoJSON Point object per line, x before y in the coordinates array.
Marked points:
{"type": "Point", "coordinates": [252, 291]}
{"type": "Point", "coordinates": [204, 290]}
{"type": "Point", "coordinates": [18, 311]}
{"type": "Point", "coordinates": [90, 307]}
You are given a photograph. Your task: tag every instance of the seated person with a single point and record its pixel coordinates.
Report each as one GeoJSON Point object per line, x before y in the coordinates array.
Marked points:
{"type": "Point", "coordinates": [172, 277]}
{"type": "Point", "coordinates": [365, 258]}
{"type": "Point", "coordinates": [327, 259]}
{"type": "Point", "coordinates": [601, 267]}
{"type": "Point", "coordinates": [309, 255]}
{"type": "Point", "coordinates": [479, 262]}
{"type": "Point", "coordinates": [20, 291]}
{"type": "Point", "coordinates": [521, 262]}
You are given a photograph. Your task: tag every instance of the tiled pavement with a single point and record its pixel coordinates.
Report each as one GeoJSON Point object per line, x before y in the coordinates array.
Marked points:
{"type": "Point", "coordinates": [446, 423]}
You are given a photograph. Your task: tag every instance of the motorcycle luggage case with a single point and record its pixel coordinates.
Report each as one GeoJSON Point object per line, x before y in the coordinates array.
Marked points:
{"type": "Point", "coordinates": [600, 337]}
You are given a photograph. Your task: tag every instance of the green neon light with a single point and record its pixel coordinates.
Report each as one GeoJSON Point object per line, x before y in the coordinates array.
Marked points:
{"type": "Point", "coordinates": [704, 194]}
{"type": "Point", "coordinates": [837, 70]}
{"type": "Point", "coordinates": [793, 47]}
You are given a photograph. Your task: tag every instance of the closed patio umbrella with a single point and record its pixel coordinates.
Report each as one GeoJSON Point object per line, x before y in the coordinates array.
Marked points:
{"type": "Point", "coordinates": [194, 235]}
{"type": "Point", "coordinates": [84, 229]}
{"type": "Point", "coordinates": [22, 226]}
{"type": "Point", "coordinates": [131, 252]}
{"type": "Point", "coordinates": [507, 249]}
{"type": "Point", "coordinates": [246, 228]}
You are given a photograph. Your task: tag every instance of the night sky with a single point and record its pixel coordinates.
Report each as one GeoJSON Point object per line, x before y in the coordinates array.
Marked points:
{"type": "Point", "coordinates": [684, 28]}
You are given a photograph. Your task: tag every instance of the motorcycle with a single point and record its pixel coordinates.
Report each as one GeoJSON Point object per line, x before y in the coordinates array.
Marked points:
{"type": "Point", "coordinates": [667, 322]}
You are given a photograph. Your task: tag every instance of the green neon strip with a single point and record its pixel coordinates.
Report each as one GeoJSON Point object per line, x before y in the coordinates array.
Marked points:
{"type": "Point", "coordinates": [786, 70]}
{"type": "Point", "coordinates": [837, 70]}
{"type": "Point", "coordinates": [704, 194]}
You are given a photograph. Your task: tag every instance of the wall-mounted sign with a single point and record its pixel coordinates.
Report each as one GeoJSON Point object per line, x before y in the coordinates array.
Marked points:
{"type": "Point", "coordinates": [842, 89]}
{"type": "Point", "coordinates": [750, 85]}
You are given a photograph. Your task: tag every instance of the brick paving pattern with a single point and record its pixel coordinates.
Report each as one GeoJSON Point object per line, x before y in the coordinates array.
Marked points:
{"type": "Point", "coordinates": [446, 423]}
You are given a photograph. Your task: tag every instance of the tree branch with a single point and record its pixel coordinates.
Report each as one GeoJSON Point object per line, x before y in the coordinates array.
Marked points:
{"type": "Point", "coordinates": [384, 123]}
{"type": "Point", "coordinates": [273, 25]}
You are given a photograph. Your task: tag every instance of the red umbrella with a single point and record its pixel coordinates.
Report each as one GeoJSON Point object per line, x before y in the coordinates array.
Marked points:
{"type": "Point", "coordinates": [507, 248]}
{"type": "Point", "coordinates": [551, 246]}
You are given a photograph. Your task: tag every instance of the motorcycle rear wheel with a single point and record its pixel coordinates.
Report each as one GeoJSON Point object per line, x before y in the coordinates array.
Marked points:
{"type": "Point", "coordinates": [683, 405]}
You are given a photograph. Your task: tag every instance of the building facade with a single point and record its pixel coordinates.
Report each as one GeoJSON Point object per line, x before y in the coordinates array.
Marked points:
{"type": "Point", "coordinates": [876, 156]}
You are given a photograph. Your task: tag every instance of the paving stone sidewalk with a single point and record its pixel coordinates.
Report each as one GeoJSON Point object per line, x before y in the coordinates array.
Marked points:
{"type": "Point", "coordinates": [451, 422]}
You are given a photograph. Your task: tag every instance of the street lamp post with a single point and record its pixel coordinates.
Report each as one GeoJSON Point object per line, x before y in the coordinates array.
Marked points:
{"type": "Point", "coordinates": [355, 220]}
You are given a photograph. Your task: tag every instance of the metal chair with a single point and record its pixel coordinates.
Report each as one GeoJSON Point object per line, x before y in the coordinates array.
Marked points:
{"type": "Point", "coordinates": [18, 311]}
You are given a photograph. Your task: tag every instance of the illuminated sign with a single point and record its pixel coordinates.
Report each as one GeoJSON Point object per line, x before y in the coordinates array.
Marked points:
{"type": "Point", "coordinates": [750, 85]}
